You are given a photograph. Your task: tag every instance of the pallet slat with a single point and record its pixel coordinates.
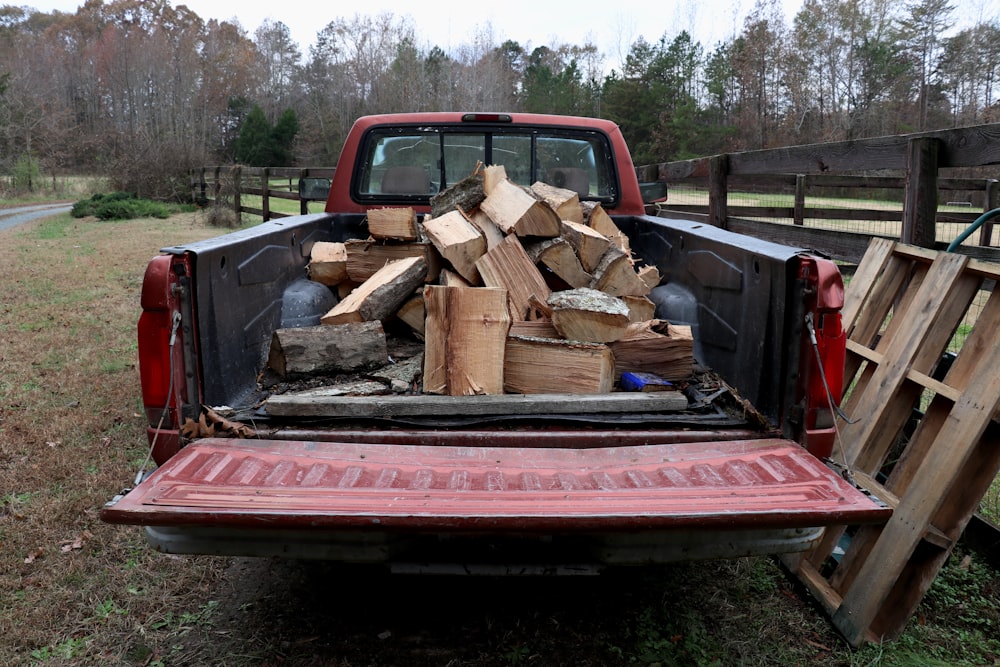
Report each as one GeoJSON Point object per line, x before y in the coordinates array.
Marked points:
{"type": "Point", "coordinates": [901, 310]}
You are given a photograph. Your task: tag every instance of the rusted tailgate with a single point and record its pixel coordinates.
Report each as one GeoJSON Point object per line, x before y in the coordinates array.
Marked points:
{"type": "Point", "coordinates": [263, 483]}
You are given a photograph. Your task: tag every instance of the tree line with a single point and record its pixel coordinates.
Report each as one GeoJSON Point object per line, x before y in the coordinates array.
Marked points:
{"type": "Point", "coordinates": [144, 90]}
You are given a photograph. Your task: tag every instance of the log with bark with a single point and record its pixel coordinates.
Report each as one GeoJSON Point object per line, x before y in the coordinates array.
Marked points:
{"type": "Point", "coordinates": [588, 315]}
{"type": "Point", "coordinates": [343, 348]}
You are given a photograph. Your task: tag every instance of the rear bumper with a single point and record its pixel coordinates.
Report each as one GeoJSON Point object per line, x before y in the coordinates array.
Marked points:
{"type": "Point", "coordinates": [488, 554]}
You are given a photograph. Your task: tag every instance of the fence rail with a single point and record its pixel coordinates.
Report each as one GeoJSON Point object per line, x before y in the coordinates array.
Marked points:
{"type": "Point", "coordinates": [915, 162]}
{"type": "Point", "coordinates": [227, 185]}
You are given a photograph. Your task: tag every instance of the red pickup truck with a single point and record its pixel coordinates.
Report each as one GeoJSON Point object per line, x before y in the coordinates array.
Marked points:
{"type": "Point", "coordinates": [738, 471]}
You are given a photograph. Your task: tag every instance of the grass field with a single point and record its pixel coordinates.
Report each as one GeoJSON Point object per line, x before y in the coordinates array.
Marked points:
{"type": "Point", "coordinates": [74, 591]}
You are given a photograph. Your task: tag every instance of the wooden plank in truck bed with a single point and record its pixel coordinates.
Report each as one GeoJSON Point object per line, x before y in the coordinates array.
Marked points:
{"type": "Point", "coordinates": [314, 404]}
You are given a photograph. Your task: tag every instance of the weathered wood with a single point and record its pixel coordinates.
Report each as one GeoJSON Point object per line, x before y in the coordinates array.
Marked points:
{"type": "Point", "coordinates": [459, 242]}
{"type": "Point", "coordinates": [509, 266]}
{"type": "Point", "coordinates": [566, 203]}
{"type": "Point", "coordinates": [718, 197]}
{"type": "Point", "coordinates": [515, 211]}
{"type": "Point", "coordinates": [595, 217]}
{"type": "Point", "coordinates": [328, 263]}
{"type": "Point", "coordinates": [589, 244]}
{"type": "Point", "coordinates": [549, 366]}
{"type": "Point", "coordinates": [465, 332]}
{"type": "Point", "coordinates": [465, 195]}
{"type": "Point", "coordinates": [292, 405]}
{"type": "Point", "coordinates": [393, 224]}
{"type": "Point", "coordinates": [588, 315]}
{"type": "Point", "coordinates": [353, 389]}
{"type": "Point", "coordinates": [921, 197]}
{"type": "Point", "coordinates": [382, 294]}
{"type": "Point", "coordinates": [656, 347]}
{"type": "Point", "coordinates": [364, 258]}
{"type": "Point", "coordinates": [408, 371]}
{"type": "Point", "coordinates": [343, 348]}
{"type": "Point", "coordinates": [557, 255]}
{"type": "Point", "coordinates": [615, 274]}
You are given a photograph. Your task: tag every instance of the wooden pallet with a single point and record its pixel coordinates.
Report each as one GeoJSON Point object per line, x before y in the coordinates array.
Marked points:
{"type": "Point", "coordinates": [924, 441]}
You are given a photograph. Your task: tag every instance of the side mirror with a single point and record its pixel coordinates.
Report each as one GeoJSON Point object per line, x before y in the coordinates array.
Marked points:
{"type": "Point", "coordinates": [653, 192]}
{"type": "Point", "coordinates": [314, 189]}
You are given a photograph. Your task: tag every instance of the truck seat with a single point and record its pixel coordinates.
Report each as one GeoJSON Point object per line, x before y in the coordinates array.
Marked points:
{"type": "Point", "coordinates": [570, 178]}
{"type": "Point", "coordinates": [406, 180]}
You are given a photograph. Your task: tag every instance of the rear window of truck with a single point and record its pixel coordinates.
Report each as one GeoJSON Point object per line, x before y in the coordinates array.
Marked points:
{"type": "Point", "coordinates": [411, 165]}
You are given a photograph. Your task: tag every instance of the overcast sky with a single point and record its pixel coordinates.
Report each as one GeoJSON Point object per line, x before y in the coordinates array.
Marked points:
{"type": "Point", "coordinates": [611, 25]}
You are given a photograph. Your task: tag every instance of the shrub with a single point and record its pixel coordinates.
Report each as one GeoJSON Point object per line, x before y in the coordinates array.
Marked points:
{"type": "Point", "coordinates": [120, 206]}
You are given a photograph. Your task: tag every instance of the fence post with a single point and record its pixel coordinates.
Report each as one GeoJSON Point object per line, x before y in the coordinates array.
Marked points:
{"type": "Point", "coordinates": [799, 214]}
{"type": "Point", "coordinates": [237, 186]}
{"type": "Point", "coordinates": [303, 203]}
{"type": "Point", "coordinates": [265, 191]}
{"type": "Point", "coordinates": [989, 203]}
{"type": "Point", "coordinates": [921, 196]}
{"type": "Point", "coordinates": [718, 176]}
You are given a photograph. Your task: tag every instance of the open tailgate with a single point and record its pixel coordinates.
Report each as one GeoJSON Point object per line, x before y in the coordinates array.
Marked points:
{"type": "Point", "coordinates": [271, 484]}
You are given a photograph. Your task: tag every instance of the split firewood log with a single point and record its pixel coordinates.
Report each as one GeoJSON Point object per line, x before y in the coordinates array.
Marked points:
{"type": "Point", "coordinates": [393, 224]}
{"type": "Point", "coordinates": [566, 203]}
{"type": "Point", "coordinates": [657, 347]}
{"type": "Point", "coordinates": [615, 274]}
{"type": "Point", "coordinates": [465, 332]}
{"type": "Point", "coordinates": [509, 266]}
{"type": "Point", "coordinates": [459, 242]}
{"type": "Point", "coordinates": [365, 257]}
{"type": "Point", "coordinates": [588, 315]}
{"type": "Point", "coordinates": [515, 211]}
{"type": "Point", "coordinates": [382, 294]}
{"type": "Point", "coordinates": [553, 366]}
{"type": "Point", "coordinates": [328, 263]}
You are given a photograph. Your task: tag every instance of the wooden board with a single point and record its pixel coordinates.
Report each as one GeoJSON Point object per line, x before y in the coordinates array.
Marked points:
{"type": "Point", "coordinates": [291, 405]}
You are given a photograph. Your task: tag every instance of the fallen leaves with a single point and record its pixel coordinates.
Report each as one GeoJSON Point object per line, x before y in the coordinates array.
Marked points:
{"type": "Point", "coordinates": [76, 543]}
{"type": "Point", "coordinates": [210, 424]}
{"type": "Point", "coordinates": [66, 546]}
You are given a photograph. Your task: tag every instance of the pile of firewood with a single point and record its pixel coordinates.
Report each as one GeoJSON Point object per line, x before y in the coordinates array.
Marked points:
{"type": "Point", "coordinates": [510, 289]}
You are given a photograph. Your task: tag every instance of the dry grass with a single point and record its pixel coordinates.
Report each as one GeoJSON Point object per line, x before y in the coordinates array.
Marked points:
{"type": "Point", "coordinates": [74, 591]}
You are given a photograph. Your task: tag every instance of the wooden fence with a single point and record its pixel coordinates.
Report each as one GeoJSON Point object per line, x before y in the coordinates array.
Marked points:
{"type": "Point", "coordinates": [916, 163]}
{"type": "Point", "coordinates": [228, 185]}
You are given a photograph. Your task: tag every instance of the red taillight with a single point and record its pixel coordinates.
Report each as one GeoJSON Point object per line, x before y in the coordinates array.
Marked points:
{"type": "Point", "coordinates": [823, 355]}
{"type": "Point", "coordinates": [154, 333]}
